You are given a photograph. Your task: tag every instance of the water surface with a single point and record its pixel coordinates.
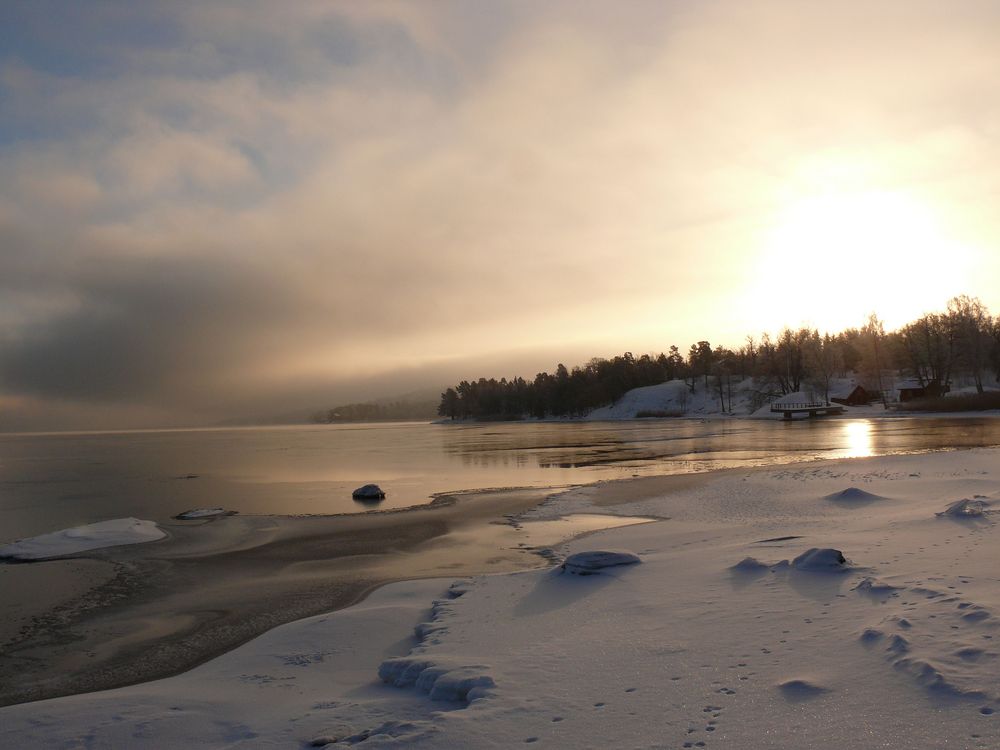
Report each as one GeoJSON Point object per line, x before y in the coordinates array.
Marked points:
{"type": "Point", "coordinates": [54, 481]}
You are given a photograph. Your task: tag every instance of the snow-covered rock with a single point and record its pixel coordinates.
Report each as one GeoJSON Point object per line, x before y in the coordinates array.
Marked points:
{"type": "Point", "coordinates": [750, 565]}
{"type": "Point", "coordinates": [593, 561]}
{"type": "Point", "coordinates": [82, 538]}
{"type": "Point", "coordinates": [817, 558]}
{"type": "Point", "coordinates": [441, 680]}
{"type": "Point", "coordinates": [967, 508]}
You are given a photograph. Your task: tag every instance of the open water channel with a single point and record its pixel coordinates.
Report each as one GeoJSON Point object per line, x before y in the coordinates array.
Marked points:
{"type": "Point", "coordinates": [53, 481]}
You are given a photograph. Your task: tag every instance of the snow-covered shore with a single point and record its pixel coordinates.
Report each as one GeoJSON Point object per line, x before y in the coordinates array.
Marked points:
{"type": "Point", "coordinates": [698, 646]}
{"type": "Point", "coordinates": [743, 398]}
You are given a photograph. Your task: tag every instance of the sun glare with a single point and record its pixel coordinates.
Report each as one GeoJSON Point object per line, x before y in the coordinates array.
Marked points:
{"type": "Point", "coordinates": [829, 259]}
{"type": "Point", "coordinates": [858, 440]}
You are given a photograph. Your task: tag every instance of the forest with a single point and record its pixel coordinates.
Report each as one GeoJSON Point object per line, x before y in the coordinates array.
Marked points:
{"type": "Point", "coordinates": [374, 411]}
{"type": "Point", "coordinates": [963, 341]}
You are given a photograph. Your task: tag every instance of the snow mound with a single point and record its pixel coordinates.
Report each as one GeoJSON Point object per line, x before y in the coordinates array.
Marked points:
{"type": "Point", "coordinates": [196, 513]}
{"type": "Point", "coordinates": [593, 561]}
{"type": "Point", "coordinates": [750, 565]}
{"type": "Point", "coordinates": [797, 689]}
{"type": "Point", "coordinates": [441, 680]}
{"type": "Point", "coordinates": [390, 731]}
{"type": "Point", "coordinates": [853, 495]}
{"type": "Point", "coordinates": [459, 588]}
{"type": "Point", "coordinates": [967, 508]}
{"type": "Point", "coordinates": [876, 588]}
{"type": "Point", "coordinates": [82, 538]}
{"type": "Point", "coordinates": [820, 559]}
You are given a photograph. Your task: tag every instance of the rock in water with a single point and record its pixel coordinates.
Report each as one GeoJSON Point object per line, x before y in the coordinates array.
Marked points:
{"type": "Point", "coordinates": [368, 492]}
{"type": "Point", "coordinates": [196, 513]}
{"type": "Point", "coordinates": [590, 563]}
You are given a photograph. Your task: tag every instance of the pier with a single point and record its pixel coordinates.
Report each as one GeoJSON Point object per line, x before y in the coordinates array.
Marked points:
{"type": "Point", "coordinates": [810, 408]}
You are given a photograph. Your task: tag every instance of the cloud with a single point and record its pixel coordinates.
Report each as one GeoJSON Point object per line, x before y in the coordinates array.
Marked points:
{"type": "Point", "coordinates": [213, 207]}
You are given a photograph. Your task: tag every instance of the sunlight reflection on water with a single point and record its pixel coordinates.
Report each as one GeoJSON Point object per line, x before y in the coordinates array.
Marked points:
{"type": "Point", "coordinates": [858, 439]}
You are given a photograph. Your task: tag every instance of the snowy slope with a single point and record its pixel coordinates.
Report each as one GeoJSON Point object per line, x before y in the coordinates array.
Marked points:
{"type": "Point", "coordinates": [675, 399]}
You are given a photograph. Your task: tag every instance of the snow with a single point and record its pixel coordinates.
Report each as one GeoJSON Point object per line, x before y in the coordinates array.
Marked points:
{"type": "Point", "coordinates": [750, 565]}
{"type": "Point", "coordinates": [675, 398]}
{"type": "Point", "coordinates": [441, 681]}
{"type": "Point", "coordinates": [744, 398]}
{"type": "Point", "coordinates": [81, 538]}
{"type": "Point", "coordinates": [672, 397]}
{"type": "Point", "coordinates": [708, 643]}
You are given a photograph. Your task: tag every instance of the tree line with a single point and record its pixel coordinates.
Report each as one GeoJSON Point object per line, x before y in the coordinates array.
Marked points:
{"type": "Point", "coordinates": [961, 341]}
{"type": "Point", "coordinates": [371, 411]}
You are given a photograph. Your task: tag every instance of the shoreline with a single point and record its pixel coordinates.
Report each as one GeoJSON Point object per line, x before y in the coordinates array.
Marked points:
{"type": "Point", "coordinates": [875, 414]}
{"type": "Point", "coordinates": [162, 608]}
{"type": "Point", "coordinates": [210, 586]}
{"type": "Point", "coordinates": [872, 413]}
{"type": "Point", "coordinates": [714, 638]}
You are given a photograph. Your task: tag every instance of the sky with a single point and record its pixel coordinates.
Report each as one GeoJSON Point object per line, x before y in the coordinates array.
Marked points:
{"type": "Point", "coordinates": [213, 210]}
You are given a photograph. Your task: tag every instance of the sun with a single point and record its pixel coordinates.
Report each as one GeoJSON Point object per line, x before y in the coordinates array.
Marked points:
{"type": "Point", "coordinates": [828, 259]}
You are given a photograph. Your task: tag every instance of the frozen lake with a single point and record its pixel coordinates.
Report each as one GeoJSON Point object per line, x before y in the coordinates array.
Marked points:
{"type": "Point", "coordinates": [54, 481]}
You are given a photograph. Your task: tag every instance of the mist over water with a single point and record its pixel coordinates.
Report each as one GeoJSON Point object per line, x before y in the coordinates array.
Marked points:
{"type": "Point", "coordinates": [56, 481]}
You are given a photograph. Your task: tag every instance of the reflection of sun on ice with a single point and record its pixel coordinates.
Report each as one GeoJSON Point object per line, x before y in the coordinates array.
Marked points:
{"type": "Point", "coordinates": [830, 259]}
{"type": "Point", "coordinates": [859, 440]}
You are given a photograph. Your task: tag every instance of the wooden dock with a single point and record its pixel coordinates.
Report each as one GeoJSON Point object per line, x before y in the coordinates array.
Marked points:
{"type": "Point", "coordinates": [810, 408]}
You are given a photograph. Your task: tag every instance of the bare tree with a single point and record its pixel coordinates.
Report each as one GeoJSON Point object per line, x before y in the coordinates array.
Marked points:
{"type": "Point", "coordinates": [824, 359]}
{"type": "Point", "coordinates": [873, 333]}
{"type": "Point", "coordinates": [971, 322]}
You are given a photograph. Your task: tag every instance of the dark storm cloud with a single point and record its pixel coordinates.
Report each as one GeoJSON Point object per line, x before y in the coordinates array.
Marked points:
{"type": "Point", "coordinates": [136, 327]}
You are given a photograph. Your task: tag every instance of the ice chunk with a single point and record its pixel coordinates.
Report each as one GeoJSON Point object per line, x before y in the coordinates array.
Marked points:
{"type": "Point", "coordinates": [196, 513]}
{"type": "Point", "coordinates": [82, 538]}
